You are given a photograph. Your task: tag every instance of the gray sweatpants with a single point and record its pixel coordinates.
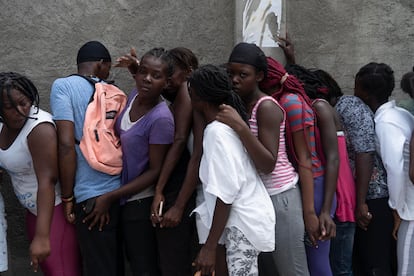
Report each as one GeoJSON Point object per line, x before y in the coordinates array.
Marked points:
{"type": "Point", "coordinates": [405, 248]}
{"type": "Point", "coordinates": [289, 258]}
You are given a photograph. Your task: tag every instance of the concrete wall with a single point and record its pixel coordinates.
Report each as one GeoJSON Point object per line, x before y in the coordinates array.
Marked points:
{"type": "Point", "coordinates": [342, 36]}
{"type": "Point", "coordinates": [40, 38]}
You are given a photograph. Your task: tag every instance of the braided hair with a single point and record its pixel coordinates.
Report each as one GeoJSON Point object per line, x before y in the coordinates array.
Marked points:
{"type": "Point", "coordinates": [334, 91]}
{"type": "Point", "coordinates": [377, 79]}
{"type": "Point", "coordinates": [276, 76]}
{"type": "Point", "coordinates": [12, 80]}
{"type": "Point", "coordinates": [314, 87]}
{"type": "Point", "coordinates": [162, 54]}
{"type": "Point", "coordinates": [213, 85]}
{"type": "Point", "coordinates": [183, 58]}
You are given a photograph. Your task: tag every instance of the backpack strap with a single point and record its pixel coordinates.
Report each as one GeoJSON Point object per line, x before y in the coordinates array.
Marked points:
{"type": "Point", "coordinates": [92, 82]}
{"type": "Point", "coordinates": [89, 79]}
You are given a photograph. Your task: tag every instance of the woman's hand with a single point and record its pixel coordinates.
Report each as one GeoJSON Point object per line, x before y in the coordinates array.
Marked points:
{"type": "Point", "coordinates": [128, 61]}
{"type": "Point", "coordinates": [363, 216]}
{"type": "Point", "coordinates": [312, 227]}
{"type": "Point", "coordinates": [156, 214]}
{"type": "Point", "coordinates": [68, 211]}
{"type": "Point", "coordinates": [206, 260]}
{"type": "Point", "coordinates": [99, 215]}
{"type": "Point", "coordinates": [397, 222]}
{"type": "Point", "coordinates": [288, 49]}
{"type": "Point", "coordinates": [229, 116]}
{"type": "Point", "coordinates": [172, 217]}
{"type": "Point", "coordinates": [327, 226]}
{"type": "Point", "coordinates": [39, 251]}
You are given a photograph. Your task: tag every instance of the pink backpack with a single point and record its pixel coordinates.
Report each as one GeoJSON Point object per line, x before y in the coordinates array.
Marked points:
{"type": "Point", "coordinates": [100, 145]}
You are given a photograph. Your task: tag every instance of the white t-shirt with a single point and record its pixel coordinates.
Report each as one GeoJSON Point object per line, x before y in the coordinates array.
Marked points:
{"type": "Point", "coordinates": [393, 127]}
{"type": "Point", "coordinates": [17, 161]}
{"type": "Point", "coordinates": [226, 172]}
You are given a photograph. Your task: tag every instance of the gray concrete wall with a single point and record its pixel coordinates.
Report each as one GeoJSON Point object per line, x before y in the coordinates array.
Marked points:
{"type": "Point", "coordinates": [40, 38]}
{"type": "Point", "coordinates": [342, 36]}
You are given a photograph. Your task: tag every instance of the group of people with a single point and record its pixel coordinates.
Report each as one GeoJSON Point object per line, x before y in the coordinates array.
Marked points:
{"type": "Point", "coordinates": [244, 168]}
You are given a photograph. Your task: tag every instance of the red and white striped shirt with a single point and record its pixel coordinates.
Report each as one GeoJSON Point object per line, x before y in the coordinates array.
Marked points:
{"type": "Point", "coordinates": [283, 177]}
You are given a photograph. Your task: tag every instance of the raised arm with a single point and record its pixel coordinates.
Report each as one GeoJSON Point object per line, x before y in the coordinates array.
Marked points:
{"type": "Point", "coordinates": [287, 46]}
{"type": "Point", "coordinates": [129, 61]}
{"type": "Point", "coordinates": [262, 151]}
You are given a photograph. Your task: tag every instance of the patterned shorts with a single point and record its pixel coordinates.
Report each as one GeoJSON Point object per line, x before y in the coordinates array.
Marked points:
{"type": "Point", "coordinates": [240, 253]}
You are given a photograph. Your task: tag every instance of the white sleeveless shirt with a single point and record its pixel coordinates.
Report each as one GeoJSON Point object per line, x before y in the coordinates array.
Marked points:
{"type": "Point", "coordinates": [17, 161]}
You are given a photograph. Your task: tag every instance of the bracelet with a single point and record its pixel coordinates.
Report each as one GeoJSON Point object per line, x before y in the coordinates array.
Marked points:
{"type": "Point", "coordinates": [67, 199]}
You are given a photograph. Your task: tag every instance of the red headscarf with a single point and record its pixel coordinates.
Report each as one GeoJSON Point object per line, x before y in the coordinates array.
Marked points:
{"type": "Point", "coordinates": [277, 75]}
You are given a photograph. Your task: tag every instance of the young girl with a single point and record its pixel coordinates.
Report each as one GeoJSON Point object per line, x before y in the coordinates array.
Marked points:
{"type": "Point", "coordinates": [173, 201]}
{"type": "Point", "coordinates": [237, 210]}
{"type": "Point", "coordinates": [318, 85]}
{"type": "Point", "coordinates": [317, 199]}
{"type": "Point", "coordinates": [372, 239]}
{"type": "Point", "coordinates": [28, 152]}
{"type": "Point", "coordinates": [174, 191]}
{"type": "Point", "coordinates": [265, 142]}
{"type": "Point", "coordinates": [146, 129]}
{"type": "Point", "coordinates": [342, 244]}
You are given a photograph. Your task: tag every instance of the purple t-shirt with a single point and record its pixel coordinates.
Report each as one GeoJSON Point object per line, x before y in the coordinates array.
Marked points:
{"type": "Point", "coordinates": [155, 127]}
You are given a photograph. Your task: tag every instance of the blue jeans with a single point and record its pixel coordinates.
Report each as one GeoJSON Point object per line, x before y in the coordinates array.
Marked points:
{"type": "Point", "coordinates": [341, 249]}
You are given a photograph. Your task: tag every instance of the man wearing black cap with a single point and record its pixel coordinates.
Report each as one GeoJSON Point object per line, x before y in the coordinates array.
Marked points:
{"type": "Point", "coordinates": [69, 99]}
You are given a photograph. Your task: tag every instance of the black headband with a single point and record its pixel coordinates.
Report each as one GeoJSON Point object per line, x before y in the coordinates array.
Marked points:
{"type": "Point", "coordinates": [249, 53]}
